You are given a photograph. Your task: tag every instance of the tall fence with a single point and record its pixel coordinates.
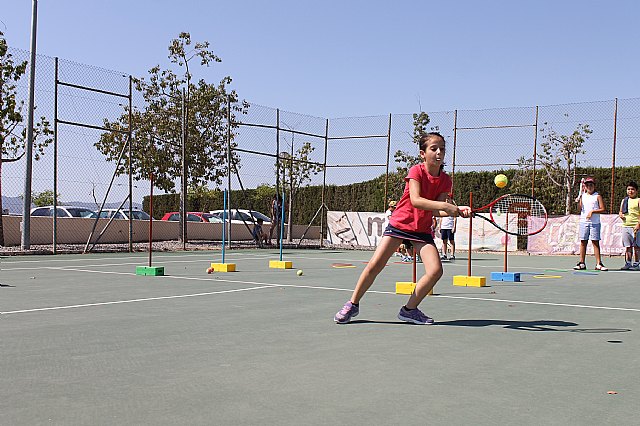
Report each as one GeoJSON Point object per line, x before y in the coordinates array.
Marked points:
{"type": "Point", "coordinates": [266, 140]}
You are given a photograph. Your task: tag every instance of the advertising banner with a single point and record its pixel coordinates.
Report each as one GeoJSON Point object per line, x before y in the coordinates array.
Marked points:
{"type": "Point", "coordinates": [560, 236]}
{"type": "Point", "coordinates": [365, 229]}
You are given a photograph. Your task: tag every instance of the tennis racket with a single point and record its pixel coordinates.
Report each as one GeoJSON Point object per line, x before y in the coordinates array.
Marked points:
{"type": "Point", "coordinates": [523, 206]}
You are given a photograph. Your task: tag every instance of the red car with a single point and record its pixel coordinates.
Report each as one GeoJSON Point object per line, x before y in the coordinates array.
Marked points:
{"type": "Point", "coordinates": [192, 217]}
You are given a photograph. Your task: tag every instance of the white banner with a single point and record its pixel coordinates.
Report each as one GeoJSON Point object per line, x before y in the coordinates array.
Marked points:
{"type": "Point", "coordinates": [365, 229]}
{"type": "Point", "coordinates": [560, 236]}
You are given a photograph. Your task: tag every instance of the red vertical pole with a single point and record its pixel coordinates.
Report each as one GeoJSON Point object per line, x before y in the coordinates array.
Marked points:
{"type": "Point", "coordinates": [414, 266]}
{"type": "Point", "coordinates": [506, 241]}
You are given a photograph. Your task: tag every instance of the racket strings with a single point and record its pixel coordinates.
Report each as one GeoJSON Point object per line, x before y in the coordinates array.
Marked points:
{"type": "Point", "coordinates": [523, 207]}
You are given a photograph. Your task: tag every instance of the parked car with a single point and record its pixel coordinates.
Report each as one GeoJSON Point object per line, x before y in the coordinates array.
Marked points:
{"type": "Point", "coordinates": [237, 216]}
{"type": "Point", "coordinates": [64, 211]}
{"type": "Point", "coordinates": [124, 214]}
{"type": "Point", "coordinates": [192, 217]}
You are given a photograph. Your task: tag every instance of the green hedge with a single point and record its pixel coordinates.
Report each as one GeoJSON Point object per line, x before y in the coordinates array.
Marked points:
{"type": "Point", "coordinates": [369, 195]}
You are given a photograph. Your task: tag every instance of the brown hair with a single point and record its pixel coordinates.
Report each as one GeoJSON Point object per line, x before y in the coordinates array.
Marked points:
{"type": "Point", "coordinates": [424, 138]}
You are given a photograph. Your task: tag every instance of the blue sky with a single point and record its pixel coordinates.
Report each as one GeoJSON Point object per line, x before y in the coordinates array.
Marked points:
{"type": "Point", "coordinates": [358, 58]}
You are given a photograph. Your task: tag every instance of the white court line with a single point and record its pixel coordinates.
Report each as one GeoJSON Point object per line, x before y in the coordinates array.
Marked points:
{"type": "Point", "coordinates": [117, 302]}
{"type": "Point", "coordinates": [255, 257]}
{"type": "Point", "coordinates": [243, 256]}
{"type": "Point", "coordinates": [262, 285]}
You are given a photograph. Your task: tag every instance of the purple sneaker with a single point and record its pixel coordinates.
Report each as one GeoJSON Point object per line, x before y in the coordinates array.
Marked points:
{"type": "Point", "coordinates": [415, 316]}
{"type": "Point", "coordinates": [348, 311]}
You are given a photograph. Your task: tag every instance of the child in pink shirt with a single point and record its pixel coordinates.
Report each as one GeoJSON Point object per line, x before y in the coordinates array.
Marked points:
{"type": "Point", "coordinates": [425, 192]}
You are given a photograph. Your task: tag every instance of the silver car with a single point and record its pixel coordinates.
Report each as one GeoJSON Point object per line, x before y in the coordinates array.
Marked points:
{"type": "Point", "coordinates": [124, 214]}
{"type": "Point", "coordinates": [64, 211]}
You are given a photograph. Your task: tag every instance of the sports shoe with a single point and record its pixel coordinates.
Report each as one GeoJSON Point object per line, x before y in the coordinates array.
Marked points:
{"type": "Point", "coordinates": [601, 267]}
{"type": "Point", "coordinates": [453, 257]}
{"type": "Point", "coordinates": [407, 259]}
{"type": "Point", "coordinates": [443, 257]}
{"type": "Point", "coordinates": [635, 267]}
{"type": "Point", "coordinates": [580, 266]}
{"type": "Point", "coordinates": [414, 316]}
{"type": "Point", "coordinates": [348, 311]}
{"type": "Point", "coordinates": [626, 266]}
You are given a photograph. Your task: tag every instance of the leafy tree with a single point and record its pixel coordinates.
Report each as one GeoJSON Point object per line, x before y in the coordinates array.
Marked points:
{"type": "Point", "coordinates": [13, 133]}
{"type": "Point", "coordinates": [559, 159]}
{"type": "Point", "coordinates": [295, 171]}
{"type": "Point", "coordinates": [44, 198]}
{"type": "Point", "coordinates": [158, 127]}
{"type": "Point", "coordinates": [405, 160]}
{"type": "Point", "coordinates": [264, 192]}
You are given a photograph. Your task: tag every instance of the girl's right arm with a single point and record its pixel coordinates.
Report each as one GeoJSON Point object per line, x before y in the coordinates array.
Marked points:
{"type": "Point", "coordinates": [439, 208]}
{"type": "Point", "coordinates": [419, 202]}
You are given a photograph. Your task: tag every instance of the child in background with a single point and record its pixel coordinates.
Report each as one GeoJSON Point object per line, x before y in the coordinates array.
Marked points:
{"type": "Point", "coordinates": [389, 212]}
{"type": "Point", "coordinates": [406, 251]}
{"type": "Point", "coordinates": [425, 192]}
{"type": "Point", "coordinates": [591, 205]}
{"type": "Point", "coordinates": [258, 234]}
{"type": "Point", "coordinates": [276, 217]}
{"type": "Point", "coordinates": [447, 231]}
{"type": "Point", "coordinates": [629, 213]}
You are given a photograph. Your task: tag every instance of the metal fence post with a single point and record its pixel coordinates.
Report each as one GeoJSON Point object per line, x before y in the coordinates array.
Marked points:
{"type": "Point", "coordinates": [54, 237]}
{"type": "Point", "coordinates": [386, 176]}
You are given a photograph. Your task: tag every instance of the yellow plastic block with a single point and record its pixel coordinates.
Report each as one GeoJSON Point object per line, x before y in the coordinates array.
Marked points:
{"type": "Point", "coordinates": [280, 264]}
{"type": "Point", "coordinates": [460, 280]}
{"type": "Point", "coordinates": [223, 267]}
{"type": "Point", "coordinates": [405, 287]}
{"type": "Point", "coordinates": [469, 281]}
{"type": "Point", "coordinates": [476, 281]}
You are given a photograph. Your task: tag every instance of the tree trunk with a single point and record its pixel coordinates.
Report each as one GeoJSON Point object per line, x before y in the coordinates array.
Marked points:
{"type": "Point", "coordinates": [567, 201]}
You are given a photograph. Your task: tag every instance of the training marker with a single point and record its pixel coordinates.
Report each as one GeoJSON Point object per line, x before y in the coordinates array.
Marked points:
{"type": "Point", "coordinates": [469, 281]}
{"type": "Point", "coordinates": [223, 267]}
{"type": "Point", "coordinates": [150, 270]}
{"type": "Point", "coordinates": [505, 276]}
{"type": "Point", "coordinates": [280, 264]}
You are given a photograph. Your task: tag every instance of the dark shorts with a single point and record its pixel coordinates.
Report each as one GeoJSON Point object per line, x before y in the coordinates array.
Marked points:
{"type": "Point", "coordinates": [447, 234]}
{"type": "Point", "coordinates": [409, 236]}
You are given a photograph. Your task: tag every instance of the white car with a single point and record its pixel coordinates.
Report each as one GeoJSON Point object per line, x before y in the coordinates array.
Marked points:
{"type": "Point", "coordinates": [237, 216]}
{"type": "Point", "coordinates": [124, 214]}
{"type": "Point", "coordinates": [64, 211]}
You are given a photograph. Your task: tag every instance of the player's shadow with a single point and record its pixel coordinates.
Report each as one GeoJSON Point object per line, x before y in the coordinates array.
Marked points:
{"type": "Point", "coordinates": [536, 325]}
{"type": "Point", "coordinates": [6, 285]}
{"type": "Point", "coordinates": [363, 321]}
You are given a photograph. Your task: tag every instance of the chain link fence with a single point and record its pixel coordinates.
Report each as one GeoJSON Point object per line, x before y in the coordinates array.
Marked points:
{"type": "Point", "coordinates": [276, 150]}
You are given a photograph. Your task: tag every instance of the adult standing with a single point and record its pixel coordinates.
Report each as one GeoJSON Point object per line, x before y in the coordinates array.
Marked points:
{"type": "Point", "coordinates": [276, 216]}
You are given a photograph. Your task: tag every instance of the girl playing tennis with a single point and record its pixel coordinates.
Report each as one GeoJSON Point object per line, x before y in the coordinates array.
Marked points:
{"type": "Point", "coordinates": [424, 196]}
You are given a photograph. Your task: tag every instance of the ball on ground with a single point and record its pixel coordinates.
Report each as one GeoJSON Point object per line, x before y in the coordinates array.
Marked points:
{"type": "Point", "coordinates": [299, 272]}
{"type": "Point", "coordinates": [501, 181]}
{"type": "Point", "coordinates": [209, 270]}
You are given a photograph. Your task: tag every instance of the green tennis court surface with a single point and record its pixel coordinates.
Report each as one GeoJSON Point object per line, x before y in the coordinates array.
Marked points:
{"type": "Point", "coordinates": [87, 341]}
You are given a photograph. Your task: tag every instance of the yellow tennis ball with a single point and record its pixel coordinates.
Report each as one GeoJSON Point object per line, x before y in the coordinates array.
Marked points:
{"type": "Point", "coordinates": [501, 181]}
{"type": "Point", "coordinates": [299, 272]}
